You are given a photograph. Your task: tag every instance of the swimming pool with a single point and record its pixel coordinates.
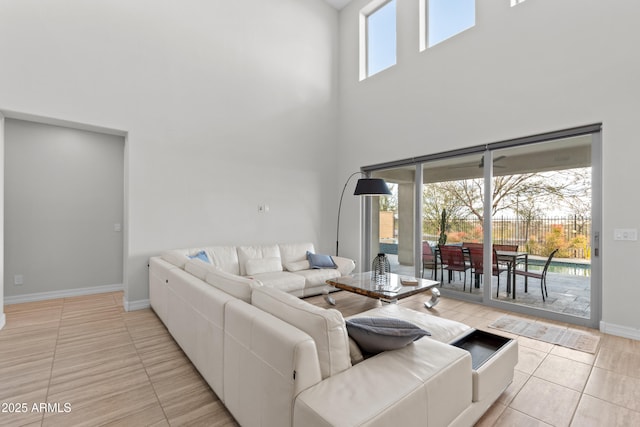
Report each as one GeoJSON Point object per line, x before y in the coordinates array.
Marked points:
{"type": "Point", "coordinates": [568, 268]}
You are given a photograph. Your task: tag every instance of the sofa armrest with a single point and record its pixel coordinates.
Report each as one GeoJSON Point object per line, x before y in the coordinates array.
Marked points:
{"type": "Point", "coordinates": [345, 265]}
{"type": "Point", "coordinates": [267, 362]}
{"type": "Point", "coordinates": [427, 383]}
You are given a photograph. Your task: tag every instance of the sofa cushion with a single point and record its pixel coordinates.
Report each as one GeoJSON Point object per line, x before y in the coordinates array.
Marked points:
{"type": "Point", "coordinates": [179, 257]}
{"type": "Point", "coordinates": [355, 354]}
{"type": "Point", "coordinates": [378, 334]}
{"type": "Point", "coordinates": [237, 286]}
{"type": "Point", "coordinates": [292, 252]}
{"type": "Point", "coordinates": [320, 261]}
{"type": "Point", "coordinates": [345, 265]}
{"type": "Point", "coordinates": [225, 258]}
{"type": "Point", "coordinates": [263, 265]}
{"type": "Point", "coordinates": [443, 330]}
{"type": "Point", "coordinates": [317, 277]}
{"type": "Point", "coordinates": [199, 268]}
{"type": "Point", "coordinates": [325, 326]}
{"type": "Point", "coordinates": [282, 280]}
{"type": "Point", "coordinates": [294, 266]}
{"type": "Point", "coordinates": [249, 252]}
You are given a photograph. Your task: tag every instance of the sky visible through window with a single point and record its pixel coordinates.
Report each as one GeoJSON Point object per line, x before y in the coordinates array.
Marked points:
{"type": "Point", "coordinates": [381, 38]}
{"type": "Point", "coordinates": [448, 18]}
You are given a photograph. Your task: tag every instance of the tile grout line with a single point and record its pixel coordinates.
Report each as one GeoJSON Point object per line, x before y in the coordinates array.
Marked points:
{"type": "Point", "coordinates": [593, 366]}
{"type": "Point", "coordinates": [53, 358]}
{"type": "Point", "coordinates": [144, 366]}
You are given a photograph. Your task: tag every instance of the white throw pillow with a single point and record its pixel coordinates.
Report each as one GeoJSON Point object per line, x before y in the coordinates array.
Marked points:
{"type": "Point", "coordinates": [297, 266]}
{"type": "Point", "coordinates": [263, 265]}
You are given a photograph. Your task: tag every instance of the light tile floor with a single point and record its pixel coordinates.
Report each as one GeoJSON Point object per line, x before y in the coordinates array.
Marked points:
{"type": "Point", "coordinates": [121, 368]}
{"type": "Point", "coordinates": [559, 386]}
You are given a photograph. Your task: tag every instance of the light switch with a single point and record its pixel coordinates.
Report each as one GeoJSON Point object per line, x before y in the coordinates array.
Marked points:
{"type": "Point", "coordinates": [625, 234]}
{"type": "Point", "coordinates": [117, 227]}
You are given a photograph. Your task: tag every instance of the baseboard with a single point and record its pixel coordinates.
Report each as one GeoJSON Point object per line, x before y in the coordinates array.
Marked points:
{"type": "Point", "coordinates": [3, 320]}
{"type": "Point", "coordinates": [136, 305]}
{"type": "Point", "coordinates": [41, 296]}
{"type": "Point", "coordinates": [621, 331]}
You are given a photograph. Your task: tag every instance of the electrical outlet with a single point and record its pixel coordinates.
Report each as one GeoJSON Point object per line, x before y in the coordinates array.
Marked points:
{"type": "Point", "coordinates": [18, 280]}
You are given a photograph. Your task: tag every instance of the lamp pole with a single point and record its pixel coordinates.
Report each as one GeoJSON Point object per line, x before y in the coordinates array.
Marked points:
{"type": "Point", "coordinates": [340, 208]}
{"type": "Point", "coordinates": [364, 187]}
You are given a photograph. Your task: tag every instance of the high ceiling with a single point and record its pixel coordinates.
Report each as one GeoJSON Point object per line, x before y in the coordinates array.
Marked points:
{"type": "Point", "coordinates": [338, 4]}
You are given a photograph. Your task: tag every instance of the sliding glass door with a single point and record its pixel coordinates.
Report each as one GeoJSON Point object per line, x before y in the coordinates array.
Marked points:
{"type": "Point", "coordinates": [543, 205]}
{"type": "Point", "coordinates": [532, 207]}
{"type": "Point", "coordinates": [392, 220]}
{"type": "Point", "coordinates": [452, 213]}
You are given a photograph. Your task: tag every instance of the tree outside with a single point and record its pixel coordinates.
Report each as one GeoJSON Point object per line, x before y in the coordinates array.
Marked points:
{"type": "Point", "coordinates": [538, 211]}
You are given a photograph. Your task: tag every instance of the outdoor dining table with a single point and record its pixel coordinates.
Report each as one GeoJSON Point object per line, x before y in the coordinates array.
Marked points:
{"type": "Point", "coordinates": [510, 257]}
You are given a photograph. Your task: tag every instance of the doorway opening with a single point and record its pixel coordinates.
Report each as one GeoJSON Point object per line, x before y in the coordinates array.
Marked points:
{"type": "Point", "coordinates": [63, 197]}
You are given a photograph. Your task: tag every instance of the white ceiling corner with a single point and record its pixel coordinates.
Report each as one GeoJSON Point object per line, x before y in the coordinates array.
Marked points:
{"type": "Point", "coordinates": [338, 4]}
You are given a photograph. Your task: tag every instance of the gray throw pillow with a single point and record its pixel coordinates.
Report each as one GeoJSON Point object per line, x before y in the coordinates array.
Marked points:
{"type": "Point", "coordinates": [377, 334]}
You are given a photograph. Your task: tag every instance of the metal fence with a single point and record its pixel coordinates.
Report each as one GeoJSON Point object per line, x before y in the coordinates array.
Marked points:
{"type": "Point", "coordinates": [539, 236]}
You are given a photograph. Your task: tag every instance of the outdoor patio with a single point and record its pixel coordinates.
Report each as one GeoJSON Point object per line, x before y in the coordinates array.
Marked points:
{"type": "Point", "coordinates": [568, 293]}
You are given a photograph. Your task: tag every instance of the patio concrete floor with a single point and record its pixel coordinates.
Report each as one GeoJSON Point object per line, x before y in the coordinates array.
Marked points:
{"type": "Point", "coordinates": [568, 294]}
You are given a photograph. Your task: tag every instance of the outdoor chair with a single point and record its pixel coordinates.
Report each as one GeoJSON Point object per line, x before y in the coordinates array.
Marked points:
{"type": "Point", "coordinates": [452, 259]}
{"type": "Point", "coordinates": [471, 245]}
{"type": "Point", "coordinates": [542, 276]}
{"type": "Point", "coordinates": [510, 248]}
{"type": "Point", "coordinates": [476, 254]}
{"type": "Point", "coordinates": [429, 260]}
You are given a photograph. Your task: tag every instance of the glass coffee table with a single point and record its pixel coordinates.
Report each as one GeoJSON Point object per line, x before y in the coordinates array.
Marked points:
{"type": "Point", "coordinates": [390, 289]}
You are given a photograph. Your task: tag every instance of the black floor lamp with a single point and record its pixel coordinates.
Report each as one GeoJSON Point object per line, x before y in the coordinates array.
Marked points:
{"type": "Point", "coordinates": [364, 187]}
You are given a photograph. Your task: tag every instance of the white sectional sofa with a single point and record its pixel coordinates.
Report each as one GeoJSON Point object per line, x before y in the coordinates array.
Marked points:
{"type": "Point", "coordinates": [275, 360]}
{"type": "Point", "coordinates": [283, 266]}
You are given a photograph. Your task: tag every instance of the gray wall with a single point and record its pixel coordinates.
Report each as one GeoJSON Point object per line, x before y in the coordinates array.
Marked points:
{"type": "Point", "coordinates": [63, 195]}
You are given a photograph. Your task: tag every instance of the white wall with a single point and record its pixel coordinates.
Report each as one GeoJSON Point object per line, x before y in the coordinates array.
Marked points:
{"type": "Point", "coordinates": [541, 66]}
{"type": "Point", "coordinates": [63, 197]}
{"type": "Point", "coordinates": [226, 105]}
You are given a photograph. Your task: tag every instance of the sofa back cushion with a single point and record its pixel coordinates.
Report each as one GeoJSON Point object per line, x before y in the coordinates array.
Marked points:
{"type": "Point", "coordinates": [225, 258]}
{"type": "Point", "coordinates": [295, 252]}
{"type": "Point", "coordinates": [237, 286]}
{"type": "Point", "coordinates": [263, 265]}
{"type": "Point", "coordinates": [325, 326]}
{"type": "Point", "coordinates": [246, 253]}
{"type": "Point", "coordinates": [179, 257]}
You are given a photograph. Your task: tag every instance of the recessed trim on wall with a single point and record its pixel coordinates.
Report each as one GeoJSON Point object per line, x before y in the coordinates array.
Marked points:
{"type": "Point", "coordinates": [59, 122]}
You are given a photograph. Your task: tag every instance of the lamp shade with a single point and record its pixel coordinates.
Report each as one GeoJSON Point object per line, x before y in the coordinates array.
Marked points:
{"type": "Point", "coordinates": [371, 187]}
